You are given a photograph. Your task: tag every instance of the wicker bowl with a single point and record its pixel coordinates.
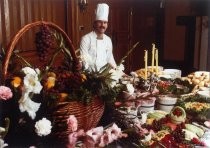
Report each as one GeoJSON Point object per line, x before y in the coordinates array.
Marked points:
{"type": "Point", "coordinates": [87, 115]}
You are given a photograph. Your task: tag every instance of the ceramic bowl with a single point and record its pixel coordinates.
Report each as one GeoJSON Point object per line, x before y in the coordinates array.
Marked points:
{"type": "Point", "coordinates": [202, 73]}
{"type": "Point", "coordinates": [172, 73]}
{"type": "Point", "coordinates": [204, 93]}
{"type": "Point", "coordinates": [166, 102]}
{"type": "Point", "coordinates": [147, 104]}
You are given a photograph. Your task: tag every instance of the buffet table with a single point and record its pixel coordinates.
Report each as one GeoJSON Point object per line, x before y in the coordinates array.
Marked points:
{"type": "Point", "coordinates": [167, 110]}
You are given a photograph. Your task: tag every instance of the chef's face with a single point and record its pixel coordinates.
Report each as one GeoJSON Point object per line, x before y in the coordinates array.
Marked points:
{"type": "Point", "coordinates": [100, 26]}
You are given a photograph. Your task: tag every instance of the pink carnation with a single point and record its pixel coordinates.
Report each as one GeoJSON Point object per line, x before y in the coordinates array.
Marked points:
{"type": "Point", "coordinates": [105, 139]}
{"type": "Point", "coordinates": [5, 93]}
{"type": "Point", "coordinates": [72, 123]}
{"type": "Point", "coordinates": [73, 137]}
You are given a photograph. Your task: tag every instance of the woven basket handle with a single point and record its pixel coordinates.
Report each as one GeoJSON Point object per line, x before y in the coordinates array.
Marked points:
{"type": "Point", "coordinates": [76, 63]}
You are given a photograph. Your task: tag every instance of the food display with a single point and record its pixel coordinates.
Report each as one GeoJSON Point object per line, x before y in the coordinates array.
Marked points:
{"type": "Point", "coordinates": [150, 70]}
{"type": "Point", "coordinates": [181, 114]}
{"type": "Point", "coordinates": [200, 78]}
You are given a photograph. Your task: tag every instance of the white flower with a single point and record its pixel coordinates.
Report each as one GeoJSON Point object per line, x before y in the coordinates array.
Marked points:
{"type": "Point", "coordinates": [2, 130]}
{"type": "Point", "coordinates": [29, 70]}
{"type": "Point", "coordinates": [25, 96]}
{"type": "Point", "coordinates": [32, 84]}
{"type": "Point", "coordinates": [130, 88]}
{"type": "Point", "coordinates": [43, 127]}
{"type": "Point", "coordinates": [113, 84]}
{"type": "Point", "coordinates": [117, 73]}
{"type": "Point", "coordinates": [2, 144]}
{"type": "Point", "coordinates": [120, 67]}
{"type": "Point", "coordinates": [134, 74]}
{"type": "Point", "coordinates": [26, 104]}
{"type": "Point", "coordinates": [37, 71]}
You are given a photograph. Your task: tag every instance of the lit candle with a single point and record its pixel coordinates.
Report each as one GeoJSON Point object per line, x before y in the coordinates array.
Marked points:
{"type": "Point", "coordinates": [145, 62]}
{"type": "Point", "coordinates": [153, 56]}
{"type": "Point", "coordinates": [156, 59]}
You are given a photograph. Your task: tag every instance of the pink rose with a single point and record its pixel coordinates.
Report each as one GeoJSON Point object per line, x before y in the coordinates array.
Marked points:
{"type": "Point", "coordinates": [5, 93]}
{"type": "Point", "coordinates": [72, 123]}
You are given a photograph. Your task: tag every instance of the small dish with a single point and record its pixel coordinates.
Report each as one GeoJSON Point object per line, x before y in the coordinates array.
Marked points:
{"type": "Point", "coordinates": [202, 73]}
{"type": "Point", "coordinates": [204, 93]}
{"type": "Point", "coordinates": [204, 88]}
{"type": "Point", "coordinates": [174, 73]}
{"type": "Point", "coordinates": [166, 102]}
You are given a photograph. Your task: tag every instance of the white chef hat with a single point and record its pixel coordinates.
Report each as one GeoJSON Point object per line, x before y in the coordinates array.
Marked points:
{"type": "Point", "coordinates": [102, 12]}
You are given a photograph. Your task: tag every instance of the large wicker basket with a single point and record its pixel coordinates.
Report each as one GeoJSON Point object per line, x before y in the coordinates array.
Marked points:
{"type": "Point", "coordinates": [88, 115]}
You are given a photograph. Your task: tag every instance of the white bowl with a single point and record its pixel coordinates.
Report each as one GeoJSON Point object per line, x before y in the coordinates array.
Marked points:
{"type": "Point", "coordinates": [166, 102]}
{"type": "Point", "coordinates": [167, 99]}
{"type": "Point", "coordinates": [204, 88]}
{"type": "Point", "coordinates": [166, 108]}
{"type": "Point", "coordinates": [147, 104]}
{"type": "Point", "coordinates": [202, 73]}
{"type": "Point", "coordinates": [204, 93]}
{"type": "Point", "coordinates": [146, 108]}
{"type": "Point", "coordinates": [172, 73]}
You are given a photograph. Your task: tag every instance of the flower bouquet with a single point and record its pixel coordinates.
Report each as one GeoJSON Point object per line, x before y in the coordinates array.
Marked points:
{"type": "Point", "coordinates": [47, 95]}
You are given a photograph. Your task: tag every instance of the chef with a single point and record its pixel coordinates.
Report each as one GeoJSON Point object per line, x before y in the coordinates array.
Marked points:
{"type": "Point", "coordinates": [96, 46]}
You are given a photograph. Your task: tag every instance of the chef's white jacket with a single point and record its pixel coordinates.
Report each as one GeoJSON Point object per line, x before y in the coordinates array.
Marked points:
{"type": "Point", "coordinates": [96, 53]}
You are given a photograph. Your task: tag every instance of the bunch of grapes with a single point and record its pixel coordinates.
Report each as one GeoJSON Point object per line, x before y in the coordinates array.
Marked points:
{"type": "Point", "coordinates": [44, 42]}
{"type": "Point", "coordinates": [178, 133]}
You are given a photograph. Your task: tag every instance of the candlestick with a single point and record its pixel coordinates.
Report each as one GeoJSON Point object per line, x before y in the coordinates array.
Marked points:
{"type": "Point", "coordinates": [153, 56]}
{"type": "Point", "coordinates": [156, 59]}
{"type": "Point", "coordinates": [145, 62]}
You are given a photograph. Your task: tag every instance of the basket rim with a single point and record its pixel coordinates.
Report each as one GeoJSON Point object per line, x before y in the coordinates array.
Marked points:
{"type": "Point", "coordinates": [27, 27]}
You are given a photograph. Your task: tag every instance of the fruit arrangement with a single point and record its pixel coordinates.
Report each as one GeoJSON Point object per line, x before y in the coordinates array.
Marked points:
{"type": "Point", "coordinates": [173, 129]}
{"type": "Point", "coordinates": [178, 115]}
{"type": "Point", "coordinates": [168, 133]}
{"type": "Point", "coordinates": [200, 78]}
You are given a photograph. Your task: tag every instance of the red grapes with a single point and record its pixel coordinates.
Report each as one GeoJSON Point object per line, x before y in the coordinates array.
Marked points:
{"type": "Point", "coordinates": [44, 42]}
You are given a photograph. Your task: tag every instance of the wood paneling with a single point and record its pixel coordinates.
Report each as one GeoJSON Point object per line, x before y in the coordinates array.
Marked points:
{"type": "Point", "coordinates": [144, 30]}
{"type": "Point", "coordinates": [17, 13]}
